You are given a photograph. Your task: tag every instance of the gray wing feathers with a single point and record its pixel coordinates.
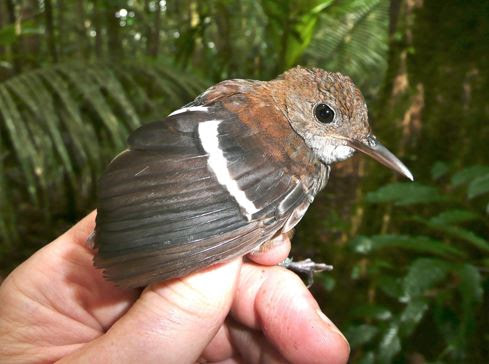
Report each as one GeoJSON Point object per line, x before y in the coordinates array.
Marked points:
{"type": "Point", "coordinates": [162, 213]}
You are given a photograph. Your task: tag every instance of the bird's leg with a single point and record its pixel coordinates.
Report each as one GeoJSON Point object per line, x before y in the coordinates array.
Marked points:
{"type": "Point", "coordinates": [279, 246]}
{"type": "Point", "coordinates": [307, 267]}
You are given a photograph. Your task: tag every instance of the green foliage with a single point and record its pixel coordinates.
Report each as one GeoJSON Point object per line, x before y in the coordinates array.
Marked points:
{"type": "Point", "coordinates": [9, 33]}
{"type": "Point", "coordinates": [478, 186]}
{"type": "Point", "coordinates": [469, 175]}
{"type": "Point", "coordinates": [406, 194]}
{"type": "Point", "coordinates": [62, 120]}
{"type": "Point", "coordinates": [421, 244]}
{"type": "Point", "coordinates": [291, 26]}
{"type": "Point", "coordinates": [63, 124]}
{"type": "Point", "coordinates": [435, 277]}
{"type": "Point", "coordinates": [411, 281]}
{"type": "Point", "coordinates": [352, 39]}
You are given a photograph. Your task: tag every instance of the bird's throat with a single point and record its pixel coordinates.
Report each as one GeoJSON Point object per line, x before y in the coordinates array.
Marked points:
{"type": "Point", "coordinates": [332, 153]}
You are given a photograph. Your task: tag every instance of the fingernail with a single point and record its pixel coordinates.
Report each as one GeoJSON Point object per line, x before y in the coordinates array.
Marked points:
{"type": "Point", "coordinates": [331, 325]}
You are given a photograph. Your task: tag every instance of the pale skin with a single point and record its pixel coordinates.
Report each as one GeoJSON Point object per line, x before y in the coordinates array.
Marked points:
{"type": "Point", "coordinates": [57, 307]}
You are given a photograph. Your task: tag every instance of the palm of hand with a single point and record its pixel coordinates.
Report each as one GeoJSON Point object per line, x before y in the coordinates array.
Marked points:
{"type": "Point", "coordinates": [56, 306]}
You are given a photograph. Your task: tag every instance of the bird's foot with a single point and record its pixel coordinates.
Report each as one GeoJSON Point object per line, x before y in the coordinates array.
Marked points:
{"type": "Point", "coordinates": [307, 267]}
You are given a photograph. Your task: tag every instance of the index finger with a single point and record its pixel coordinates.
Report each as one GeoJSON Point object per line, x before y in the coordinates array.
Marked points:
{"type": "Point", "coordinates": [277, 302]}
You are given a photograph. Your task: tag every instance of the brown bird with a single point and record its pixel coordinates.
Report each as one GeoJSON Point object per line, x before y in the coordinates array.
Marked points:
{"type": "Point", "coordinates": [226, 173]}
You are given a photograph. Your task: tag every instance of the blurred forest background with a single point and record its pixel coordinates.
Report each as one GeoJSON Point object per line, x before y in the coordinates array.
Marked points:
{"type": "Point", "coordinates": [411, 278]}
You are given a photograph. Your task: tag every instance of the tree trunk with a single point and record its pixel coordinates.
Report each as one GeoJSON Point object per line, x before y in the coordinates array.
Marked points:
{"type": "Point", "coordinates": [394, 110]}
{"type": "Point", "coordinates": [113, 30]}
{"type": "Point", "coordinates": [84, 48]}
{"type": "Point", "coordinates": [156, 31]}
{"type": "Point", "coordinates": [97, 25]}
{"type": "Point", "coordinates": [438, 74]}
{"type": "Point", "coordinates": [147, 26]}
{"type": "Point", "coordinates": [153, 30]}
{"type": "Point", "coordinates": [223, 42]}
{"type": "Point", "coordinates": [61, 29]}
{"type": "Point", "coordinates": [51, 39]}
{"type": "Point", "coordinates": [3, 53]}
{"type": "Point", "coordinates": [15, 48]}
{"type": "Point", "coordinates": [1, 26]}
{"type": "Point", "coordinates": [451, 62]}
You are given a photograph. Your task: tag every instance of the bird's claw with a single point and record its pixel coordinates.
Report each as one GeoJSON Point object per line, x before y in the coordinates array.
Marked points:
{"type": "Point", "coordinates": [307, 267]}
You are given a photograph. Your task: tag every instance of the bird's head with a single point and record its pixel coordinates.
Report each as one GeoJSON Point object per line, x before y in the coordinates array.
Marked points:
{"type": "Point", "coordinates": [329, 112]}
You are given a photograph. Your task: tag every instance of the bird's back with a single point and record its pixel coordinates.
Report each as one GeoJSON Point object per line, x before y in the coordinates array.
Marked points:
{"type": "Point", "coordinates": [210, 182]}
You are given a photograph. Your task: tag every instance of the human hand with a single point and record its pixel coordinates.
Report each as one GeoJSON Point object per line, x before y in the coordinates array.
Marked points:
{"type": "Point", "coordinates": [57, 306]}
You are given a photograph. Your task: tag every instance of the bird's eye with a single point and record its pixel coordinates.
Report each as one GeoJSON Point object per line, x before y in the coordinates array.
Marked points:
{"type": "Point", "coordinates": [324, 113]}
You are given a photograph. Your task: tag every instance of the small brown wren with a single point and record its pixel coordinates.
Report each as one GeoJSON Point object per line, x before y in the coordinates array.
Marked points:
{"type": "Point", "coordinates": [226, 173]}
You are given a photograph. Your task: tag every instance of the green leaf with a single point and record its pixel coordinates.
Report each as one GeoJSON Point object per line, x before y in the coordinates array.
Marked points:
{"type": "Point", "coordinates": [321, 5]}
{"type": "Point", "coordinates": [91, 90]}
{"type": "Point", "coordinates": [391, 286]}
{"type": "Point", "coordinates": [360, 334]}
{"type": "Point", "coordinates": [468, 236]}
{"type": "Point", "coordinates": [356, 271]}
{"type": "Point", "coordinates": [73, 122]}
{"type": "Point", "coordinates": [470, 285]}
{"type": "Point", "coordinates": [454, 217]}
{"type": "Point", "coordinates": [390, 344]}
{"type": "Point", "coordinates": [404, 194]}
{"type": "Point", "coordinates": [328, 283]}
{"type": "Point", "coordinates": [423, 244]}
{"type": "Point", "coordinates": [33, 93]}
{"type": "Point", "coordinates": [367, 358]}
{"type": "Point", "coordinates": [19, 135]}
{"type": "Point", "coordinates": [459, 233]}
{"type": "Point", "coordinates": [423, 274]}
{"type": "Point", "coordinates": [352, 39]}
{"type": "Point", "coordinates": [115, 89]}
{"type": "Point", "coordinates": [7, 230]}
{"type": "Point", "coordinates": [471, 293]}
{"type": "Point", "coordinates": [371, 311]}
{"type": "Point", "coordinates": [439, 170]}
{"type": "Point", "coordinates": [9, 33]}
{"type": "Point", "coordinates": [478, 186]}
{"type": "Point", "coordinates": [412, 315]}
{"type": "Point", "coordinates": [70, 119]}
{"type": "Point", "coordinates": [469, 174]}
{"type": "Point", "coordinates": [291, 26]}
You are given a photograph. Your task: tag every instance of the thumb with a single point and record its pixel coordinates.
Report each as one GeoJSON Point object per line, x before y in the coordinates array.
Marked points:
{"type": "Point", "coordinates": [171, 321]}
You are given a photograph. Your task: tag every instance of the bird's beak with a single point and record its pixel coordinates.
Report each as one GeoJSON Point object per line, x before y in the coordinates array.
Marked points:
{"type": "Point", "coordinates": [381, 154]}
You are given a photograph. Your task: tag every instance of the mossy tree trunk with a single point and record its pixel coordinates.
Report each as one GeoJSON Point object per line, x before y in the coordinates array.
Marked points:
{"type": "Point", "coordinates": [435, 94]}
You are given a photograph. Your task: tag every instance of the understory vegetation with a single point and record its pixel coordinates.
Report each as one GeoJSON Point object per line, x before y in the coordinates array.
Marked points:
{"type": "Point", "coordinates": [411, 278]}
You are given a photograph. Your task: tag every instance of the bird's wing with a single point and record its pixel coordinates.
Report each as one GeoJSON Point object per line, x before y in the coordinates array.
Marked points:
{"type": "Point", "coordinates": [191, 190]}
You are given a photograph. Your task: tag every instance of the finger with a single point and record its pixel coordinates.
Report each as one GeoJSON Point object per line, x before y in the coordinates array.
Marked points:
{"type": "Point", "coordinates": [237, 342]}
{"type": "Point", "coordinates": [234, 340]}
{"type": "Point", "coordinates": [252, 345]}
{"type": "Point", "coordinates": [61, 275]}
{"type": "Point", "coordinates": [56, 300]}
{"type": "Point", "coordinates": [172, 322]}
{"type": "Point", "coordinates": [277, 302]}
{"type": "Point", "coordinates": [220, 348]}
{"type": "Point", "coordinates": [272, 252]}
{"type": "Point", "coordinates": [82, 230]}
{"type": "Point", "coordinates": [73, 264]}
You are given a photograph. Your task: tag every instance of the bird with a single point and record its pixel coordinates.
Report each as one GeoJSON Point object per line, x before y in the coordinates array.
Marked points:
{"type": "Point", "coordinates": [226, 173]}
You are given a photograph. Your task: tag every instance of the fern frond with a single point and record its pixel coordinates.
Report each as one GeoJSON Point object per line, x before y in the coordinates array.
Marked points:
{"type": "Point", "coordinates": [353, 40]}
{"type": "Point", "coordinates": [60, 125]}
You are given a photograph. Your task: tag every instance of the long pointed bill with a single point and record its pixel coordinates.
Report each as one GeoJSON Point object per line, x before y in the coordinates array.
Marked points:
{"type": "Point", "coordinates": [381, 154]}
